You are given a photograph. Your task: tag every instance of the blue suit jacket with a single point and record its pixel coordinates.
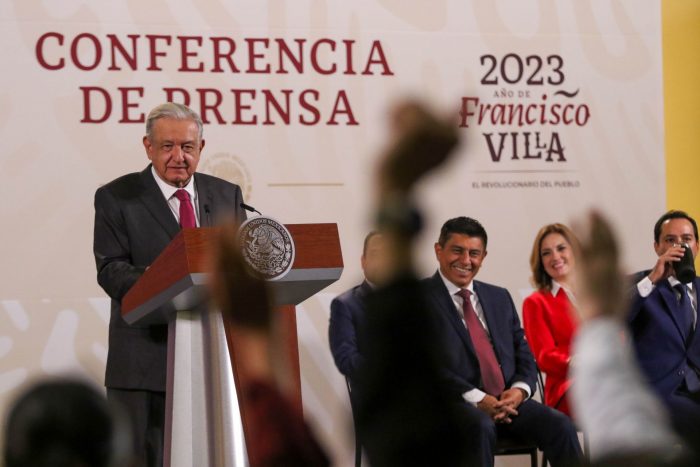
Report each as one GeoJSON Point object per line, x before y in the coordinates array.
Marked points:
{"type": "Point", "coordinates": [658, 339]}
{"type": "Point", "coordinates": [344, 331]}
{"type": "Point", "coordinates": [461, 368]}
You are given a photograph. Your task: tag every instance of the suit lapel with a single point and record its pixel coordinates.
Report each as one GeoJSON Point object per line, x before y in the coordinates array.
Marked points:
{"type": "Point", "coordinates": [204, 199]}
{"type": "Point", "coordinates": [447, 307]}
{"type": "Point", "coordinates": [671, 303]}
{"type": "Point", "coordinates": [153, 199]}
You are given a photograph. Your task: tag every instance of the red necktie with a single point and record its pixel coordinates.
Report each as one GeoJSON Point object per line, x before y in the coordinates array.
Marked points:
{"type": "Point", "coordinates": [491, 374]}
{"type": "Point", "coordinates": [187, 218]}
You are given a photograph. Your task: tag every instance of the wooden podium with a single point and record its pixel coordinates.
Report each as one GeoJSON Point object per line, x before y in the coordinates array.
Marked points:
{"type": "Point", "coordinates": [205, 424]}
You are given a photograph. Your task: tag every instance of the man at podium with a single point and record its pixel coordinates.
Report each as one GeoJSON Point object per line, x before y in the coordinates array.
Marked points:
{"type": "Point", "coordinates": [136, 217]}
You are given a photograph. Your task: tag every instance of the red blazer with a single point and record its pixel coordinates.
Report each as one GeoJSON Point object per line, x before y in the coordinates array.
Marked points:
{"type": "Point", "coordinates": [550, 325]}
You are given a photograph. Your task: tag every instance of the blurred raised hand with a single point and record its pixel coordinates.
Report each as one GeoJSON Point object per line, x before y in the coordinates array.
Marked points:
{"type": "Point", "coordinates": [600, 281]}
{"type": "Point", "coordinates": [421, 141]}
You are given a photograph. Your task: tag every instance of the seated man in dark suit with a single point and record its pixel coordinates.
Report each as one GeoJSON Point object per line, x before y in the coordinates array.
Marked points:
{"type": "Point", "coordinates": [486, 358]}
{"type": "Point", "coordinates": [348, 311]}
{"type": "Point", "coordinates": [662, 320]}
{"type": "Point", "coordinates": [405, 412]}
{"type": "Point", "coordinates": [136, 217]}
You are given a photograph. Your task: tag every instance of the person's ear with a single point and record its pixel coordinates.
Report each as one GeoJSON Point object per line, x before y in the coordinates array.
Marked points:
{"type": "Point", "coordinates": [148, 147]}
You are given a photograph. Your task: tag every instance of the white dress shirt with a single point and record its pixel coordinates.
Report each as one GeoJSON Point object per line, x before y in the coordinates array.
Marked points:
{"type": "Point", "coordinates": [645, 287]}
{"type": "Point", "coordinates": [174, 203]}
{"type": "Point", "coordinates": [475, 395]}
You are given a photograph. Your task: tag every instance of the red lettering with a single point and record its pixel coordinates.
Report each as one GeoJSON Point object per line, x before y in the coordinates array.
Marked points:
{"type": "Point", "coordinates": [465, 112]}
{"type": "Point", "coordinates": [314, 57]}
{"type": "Point", "coordinates": [348, 58]}
{"type": "Point", "coordinates": [126, 105]}
{"type": "Point", "coordinates": [345, 109]}
{"type": "Point", "coordinates": [253, 56]}
{"type": "Point", "coordinates": [565, 118]}
{"type": "Point", "coordinates": [529, 120]}
{"type": "Point", "coordinates": [170, 95]}
{"type": "Point", "coordinates": [581, 120]}
{"type": "Point", "coordinates": [240, 107]}
{"type": "Point", "coordinates": [75, 57]}
{"type": "Point", "coordinates": [219, 55]}
{"type": "Point", "coordinates": [116, 45]}
{"type": "Point", "coordinates": [555, 115]}
{"type": "Point", "coordinates": [285, 51]}
{"type": "Point", "coordinates": [303, 102]}
{"type": "Point", "coordinates": [39, 51]}
{"type": "Point", "coordinates": [271, 100]}
{"type": "Point", "coordinates": [186, 54]}
{"type": "Point", "coordinates": [380, 60]}
{"type": "Point", "coordinates": [87, 104]}
{"type": "Point", "coordinates": [205, 107]}
{"type": "Point", "coordinates": [155, 53]}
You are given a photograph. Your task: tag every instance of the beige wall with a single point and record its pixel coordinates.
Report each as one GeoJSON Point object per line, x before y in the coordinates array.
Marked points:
{"type": "Point", "coordinates": [54, 316]}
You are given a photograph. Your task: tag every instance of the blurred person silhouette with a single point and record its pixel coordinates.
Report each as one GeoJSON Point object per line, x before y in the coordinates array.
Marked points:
{"type": "Point", "coordinates": [549, 315]}
{"type": "Point", "coordinates": [65, 423]}
{"type": "Point", "coordinates": [624, 419]}
{"type": "Point", "coordinates": [348, 310]}
{"type": "Point", "coordinates": [405, 415]}
{"type": "Point", "coordinates": [282, 438]}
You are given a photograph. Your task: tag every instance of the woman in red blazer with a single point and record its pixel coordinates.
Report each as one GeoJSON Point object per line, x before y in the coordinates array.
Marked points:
{"type": "Point", "coordinates": [549, 316]}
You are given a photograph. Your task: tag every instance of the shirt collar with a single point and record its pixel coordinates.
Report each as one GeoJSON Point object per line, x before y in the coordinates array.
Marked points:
{"type": "Point", "coordinates": [674, 282]}
{"type": "Point", "coordinates": [453, 289]}
{"type": "Point", "coordinates": [169, 190]}
{"type": "Point", "coordinates": [556, 287]}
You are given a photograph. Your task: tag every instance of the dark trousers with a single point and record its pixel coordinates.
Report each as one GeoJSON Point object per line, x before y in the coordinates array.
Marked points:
{"type": "Point", "coordinates": [146, 411]}
{"type": "Point", "coordinates": [684, 409]}
{"type": "Point", "coordinates": [552, 432]}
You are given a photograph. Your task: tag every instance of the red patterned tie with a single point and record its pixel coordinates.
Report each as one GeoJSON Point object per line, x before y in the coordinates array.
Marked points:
{"type": "Point", "coordinates": [187, 218]}
{"type": "Point", "coordinates": [491, 374]}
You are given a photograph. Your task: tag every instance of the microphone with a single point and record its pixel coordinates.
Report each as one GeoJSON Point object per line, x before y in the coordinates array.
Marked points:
{"type": "Point", "coordinates": [207, 211]}
{"type": "Point", "coordinates": [685, 268]}
{"type": "Point", "coordinates": [250, 208]}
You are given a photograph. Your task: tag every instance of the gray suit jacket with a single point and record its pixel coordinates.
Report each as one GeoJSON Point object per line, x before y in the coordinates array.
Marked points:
{"type": "Point", "coordinates": [133, 225]}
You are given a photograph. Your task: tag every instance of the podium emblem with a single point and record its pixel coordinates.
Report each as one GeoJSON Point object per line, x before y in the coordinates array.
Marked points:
{"type": "Point", "coordinates": [267, 246]}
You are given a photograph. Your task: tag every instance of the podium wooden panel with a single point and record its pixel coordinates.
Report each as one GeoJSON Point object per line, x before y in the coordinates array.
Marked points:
{"type": "Point", "coordinates": [205, 424]}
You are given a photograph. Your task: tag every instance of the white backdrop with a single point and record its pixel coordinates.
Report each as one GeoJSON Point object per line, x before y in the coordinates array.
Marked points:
{"type": "Point", "coordinates": [598, 62]}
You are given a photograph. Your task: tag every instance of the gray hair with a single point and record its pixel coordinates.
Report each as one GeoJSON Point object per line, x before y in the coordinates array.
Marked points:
{"type": "Point", "coordinates": [174, 111]}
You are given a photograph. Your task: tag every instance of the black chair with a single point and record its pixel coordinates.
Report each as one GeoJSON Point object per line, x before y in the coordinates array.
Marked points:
{"type": "Point", "coordinates": [507, 446]}
{"type": "Point", "coordinates": [540, 384]}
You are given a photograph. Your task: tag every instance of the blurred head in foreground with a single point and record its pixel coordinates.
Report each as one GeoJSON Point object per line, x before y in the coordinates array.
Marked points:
{"type": "Point", "coordinates": [64, 423]}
